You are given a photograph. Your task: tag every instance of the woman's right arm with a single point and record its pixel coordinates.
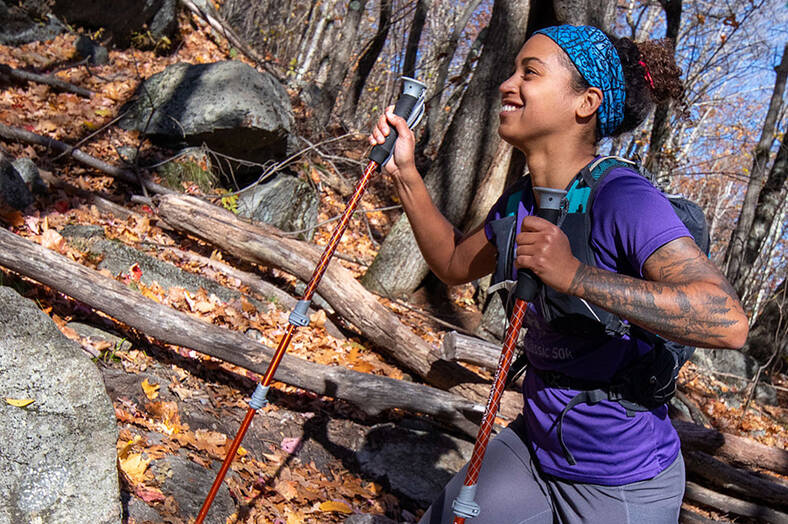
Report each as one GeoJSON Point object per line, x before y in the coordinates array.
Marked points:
{"type": "Point", "coordinates": [453, 257]}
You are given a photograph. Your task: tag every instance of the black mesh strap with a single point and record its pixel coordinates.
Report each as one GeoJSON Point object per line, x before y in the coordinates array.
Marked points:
{"type": "Point", "coordinates": [590, 392]}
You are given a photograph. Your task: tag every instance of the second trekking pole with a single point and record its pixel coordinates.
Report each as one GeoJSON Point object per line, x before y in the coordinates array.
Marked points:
{"type": "Point", "coordinates": [465, 506]}
{"type": "Point", "coordinates": [409, 106]}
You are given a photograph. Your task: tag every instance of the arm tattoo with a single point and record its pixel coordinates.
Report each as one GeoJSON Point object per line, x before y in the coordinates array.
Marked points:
{"type": "Point", "coordinates": [685, 298]}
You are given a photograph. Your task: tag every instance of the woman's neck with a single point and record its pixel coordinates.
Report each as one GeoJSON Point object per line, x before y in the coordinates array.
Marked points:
{"type": "Point", "coordinates": [555, 169]}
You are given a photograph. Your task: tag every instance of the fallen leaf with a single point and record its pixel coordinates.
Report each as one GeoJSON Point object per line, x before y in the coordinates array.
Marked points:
{"type": "Point", "coordinates": [332, 505]}
{"type": "Point", "coordinates": [287, 488]}
{"type": "Point", "coordinates": [291, 444]}
{"type": "Point", "coordinates": [149, 494]}
{"type": "Point", "coordinates": [318, 318]}
{"type": "Point", "coordinates": [151, 390]}
{"type": "Point", "coordinates": [19, 402]}
{"type": "Point", "coordinates": [53, 240]}
{"type": "Point", "coordinates": [134, 467]}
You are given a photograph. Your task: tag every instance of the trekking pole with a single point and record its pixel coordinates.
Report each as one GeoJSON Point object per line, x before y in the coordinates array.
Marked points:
{"type": "Point", "coordinates": [409, 106]}
{"type": "Point", "coordinates": [465, 506]}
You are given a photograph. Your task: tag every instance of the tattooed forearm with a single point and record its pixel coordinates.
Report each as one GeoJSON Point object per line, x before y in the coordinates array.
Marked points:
{"type": "Point", "coordinates": [686, 299]}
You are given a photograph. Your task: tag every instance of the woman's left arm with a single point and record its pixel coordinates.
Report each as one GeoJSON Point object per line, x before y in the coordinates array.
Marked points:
{"type": "Point", "coordinates": [684, 297]}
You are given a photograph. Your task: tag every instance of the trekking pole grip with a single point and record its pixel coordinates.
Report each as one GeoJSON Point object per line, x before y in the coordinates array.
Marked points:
{"type": "Point", "coordinates": [549, 209]}
{"type": "Point", "coordinates": [409, 106]}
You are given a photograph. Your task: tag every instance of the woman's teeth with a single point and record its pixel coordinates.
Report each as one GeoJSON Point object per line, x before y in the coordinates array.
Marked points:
{"type": "Point", "coordinates": [507, 108]}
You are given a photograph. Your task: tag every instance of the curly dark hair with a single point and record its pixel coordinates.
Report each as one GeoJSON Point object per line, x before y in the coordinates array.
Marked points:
{"type": "Point", "coordinates": [641, 93]}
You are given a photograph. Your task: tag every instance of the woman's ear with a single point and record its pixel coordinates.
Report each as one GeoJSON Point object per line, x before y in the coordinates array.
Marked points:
{"type": "Point", "coordinates": [589, 103]}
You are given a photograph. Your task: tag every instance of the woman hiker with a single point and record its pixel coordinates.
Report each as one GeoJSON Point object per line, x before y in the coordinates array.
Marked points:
{"type": "Point", "coordinates": [602, 461]}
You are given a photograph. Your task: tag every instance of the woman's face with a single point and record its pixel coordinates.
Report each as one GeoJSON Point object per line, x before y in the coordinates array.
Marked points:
{"type": "Point", "coordinates": [537, 100]}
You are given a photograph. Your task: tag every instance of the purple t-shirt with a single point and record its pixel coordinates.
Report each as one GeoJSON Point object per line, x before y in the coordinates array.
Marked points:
{"type": "Point", "coordinates": [630, 220]}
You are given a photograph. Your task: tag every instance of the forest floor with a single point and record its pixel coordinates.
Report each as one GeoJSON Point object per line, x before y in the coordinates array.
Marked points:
{"type": "Point", "coordinates": [166, 385]}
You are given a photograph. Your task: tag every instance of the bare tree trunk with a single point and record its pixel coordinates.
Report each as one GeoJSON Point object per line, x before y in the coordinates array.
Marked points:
{"type": "Point", "coordinates": [735, 260]}
{"type": "Point", "coordinates": [660, 130]}
{"type": "Point", "coordinates": [339, 59]}
{"type": "Point", "coordinates": [446, 49]}
{"type": "Point", "coordinates": [414, 37]}
{"type": "Point", "coordinates": [367, 61]}
{"type": "Point", "coordinates": [769, 333]}
{"type": "Point", "coordinates": [315, 41]}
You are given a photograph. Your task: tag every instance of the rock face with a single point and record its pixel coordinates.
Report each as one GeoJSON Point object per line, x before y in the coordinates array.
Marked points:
{"type": "Point", "coordinates": [18, 24]}
{"type": "Point", "coordinates": [414, 463]}
{"type": "Point", "coordinates": [121, 17]}
{"type": "Point", "coordinates": [58, 453]}
{"type": "Point", "coordinates": [285, 202]}
{"type": "Point", "coordinates": [13, 190]}
{"type": "Point", "coordinates": [732, 364]}
{"type": "Point", "coordinates": [229, 106]}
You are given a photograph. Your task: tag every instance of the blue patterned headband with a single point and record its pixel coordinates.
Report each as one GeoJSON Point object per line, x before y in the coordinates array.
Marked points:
{"type": "Point", "coordinates": [597, 61]}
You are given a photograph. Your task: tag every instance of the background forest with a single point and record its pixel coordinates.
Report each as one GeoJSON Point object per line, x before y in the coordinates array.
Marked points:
{"type": "Point", "coordinates": [145, 207]}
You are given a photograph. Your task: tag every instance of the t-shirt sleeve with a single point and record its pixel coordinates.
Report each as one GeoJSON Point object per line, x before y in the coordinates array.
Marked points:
{"type": "Point", "coordinates": [630, 220]}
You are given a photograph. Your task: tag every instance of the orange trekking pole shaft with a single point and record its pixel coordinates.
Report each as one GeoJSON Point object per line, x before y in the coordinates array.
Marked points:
{"type": "Point", "coordinates": [465, 506]}
{"type": "Point", "coordinates": [409, 106]}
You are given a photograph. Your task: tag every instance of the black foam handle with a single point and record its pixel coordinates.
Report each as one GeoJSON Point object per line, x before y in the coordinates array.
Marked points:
{"type": "Point", "coordinates": [380, 153]}
{"type": "Point", "coordinates": [527, 282]}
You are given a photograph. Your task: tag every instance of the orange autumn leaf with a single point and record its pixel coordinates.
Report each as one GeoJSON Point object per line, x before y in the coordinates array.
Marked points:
{"type": "Point", "coordinates": [151, 390]}
{"type": "Point", "coordinates": [51, 239]}
{"type": "Point", "coordinates": [332, 505]}
{"type": "Point", "coordinates": [134, 466]}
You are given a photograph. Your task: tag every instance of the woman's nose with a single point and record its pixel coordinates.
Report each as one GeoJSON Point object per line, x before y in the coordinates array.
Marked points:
{"type": "Point", "coordinates": [507, 85]}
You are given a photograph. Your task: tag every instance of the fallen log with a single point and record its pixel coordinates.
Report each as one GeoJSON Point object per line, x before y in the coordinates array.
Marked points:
{"type": "Point", "coordinates": [128, 176]}
{"type": "Point", "coordinates": [473, 350]}
{"type": "Point", "coordinates": [736, 481]}
{"type": "Point", "coordinates": [9, 73]}
{"type": "Point", "coordinates": [690, 517]}
{"type": "Point", "coordinates": [732, 448]}
{"type": "Point", "coordinates": [371, 393]}
{"type": "Point", "coordinates": [263, 244]}
{"type": "Point", "coordinates": [724, 503]}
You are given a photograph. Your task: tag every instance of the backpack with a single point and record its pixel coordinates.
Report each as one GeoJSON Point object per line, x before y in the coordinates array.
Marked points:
{"type": "Point", "coordinates": [650, 380]}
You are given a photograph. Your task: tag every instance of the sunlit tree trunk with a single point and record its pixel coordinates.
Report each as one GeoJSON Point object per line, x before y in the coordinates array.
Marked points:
{"type": "Point", "coordinates": [435, 108]}
{"type": "Point", "coordinates": [414, 37]}
{"type": "Point", "coordinates": [338, 59]}
{"type": "Point", "coordinates": [742, 240]}
{"type": "Point", "coordinates": [367, 61]}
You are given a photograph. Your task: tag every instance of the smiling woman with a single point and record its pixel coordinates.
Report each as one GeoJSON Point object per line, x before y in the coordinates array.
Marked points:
{"type": "Point", "coordinates": [590, 446]}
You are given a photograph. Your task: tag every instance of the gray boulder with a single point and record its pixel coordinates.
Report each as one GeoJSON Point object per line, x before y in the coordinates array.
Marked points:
{"type": "Point", "coordinates": [229, 106]}
{"type": "Point", "coordinates": [412, 462]}
{"type": "Point", "coordinates": [96, 53]}
{"type": "Point", "coordinates": [121, 18]}
{"type": "Point", "coordinates": [13, 190]}
{"type": "Point", "coordinates": [22, 24]}
{"type": "Point", "coordinates": [285, 202]}
{"type": "Point", "coordinates": [725, 361]}
{"type": "Point", "coordinates": [734, 368]}
{"type": "Point", "coordinates": [367, 518]}
{"type": "Point", "coordinates": [28, 170]}
{"type": "Point", "coordinates": [58, 453]}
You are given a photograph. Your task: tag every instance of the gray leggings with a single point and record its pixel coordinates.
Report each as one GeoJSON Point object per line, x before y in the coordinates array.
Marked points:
{"type": "Point", "coordinates": [512, 491]}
